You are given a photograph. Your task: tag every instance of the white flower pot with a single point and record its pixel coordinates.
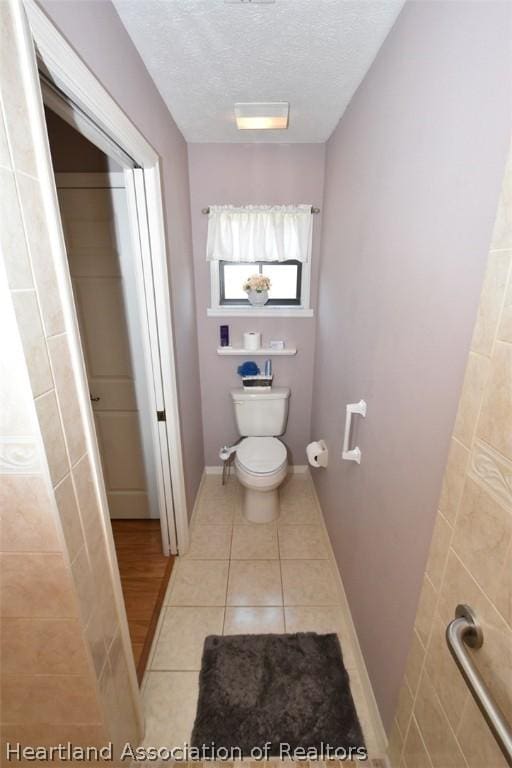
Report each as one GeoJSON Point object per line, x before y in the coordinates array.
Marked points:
{"type": "Point", "coordinates": [257, 298]}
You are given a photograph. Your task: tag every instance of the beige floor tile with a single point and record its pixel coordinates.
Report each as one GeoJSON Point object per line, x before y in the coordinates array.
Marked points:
{"type": "Point", "coordinates": [249, 621]}
{"type": "Point", "coordinates": [309, 582]}
{"type": "Point", "coordinates": [210, 542]}
{"type": "Point", "coordinates": [218, 503]}
{"type": "Point", "coordinates": [199, 582]}
{"type": "Point", "coordinates": [300, 513]}
{"type": "Point", "coordinates": [296, 487]}
{"type": "Point", "coordinates": [170, 701]}
{"type": "Point", "coordinates": [244, 592]}
{"type": "Point", "coordinates": [322, 619]}
{"type": "Point", "coordinates": [181, 639]}
{"type": "Point", "coordinates": [216, 510]}
{"type": "Point", "coordinates": [213, 487]}
{"type": "Point", "coordinates": [302, 541]}
{"type": "Point", "coordinates": [254, 582]}
{"type": "Point", "coordinates": [255, 542]}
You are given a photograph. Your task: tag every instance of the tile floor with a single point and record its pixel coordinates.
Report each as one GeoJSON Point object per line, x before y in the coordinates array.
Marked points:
{"type": "Point", "coordinates": [240, 578]}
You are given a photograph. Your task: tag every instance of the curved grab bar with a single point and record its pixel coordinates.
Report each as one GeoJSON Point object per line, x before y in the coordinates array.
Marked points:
{"type": "Point", "coordinates": [354, 454]}
{"type": "Point", "coordinates": [463, 630]}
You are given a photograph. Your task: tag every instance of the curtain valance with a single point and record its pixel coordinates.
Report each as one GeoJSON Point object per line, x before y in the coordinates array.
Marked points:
{"type": "Point", "coordinates": [259, 233]}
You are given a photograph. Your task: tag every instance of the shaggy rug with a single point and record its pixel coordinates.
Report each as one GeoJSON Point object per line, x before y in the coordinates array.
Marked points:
{"type": "Point", "coordinates": [284, 689]}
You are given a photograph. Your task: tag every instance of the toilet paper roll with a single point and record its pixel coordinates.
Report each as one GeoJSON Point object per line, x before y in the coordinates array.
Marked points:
{"type": "Point", "coordinates": [317, 454]}
{"type": "Point", "coordinates": [252, 341]}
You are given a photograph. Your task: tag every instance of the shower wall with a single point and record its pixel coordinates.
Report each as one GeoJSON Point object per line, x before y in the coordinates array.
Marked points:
{"type": "Point", "coordinates": [67, 671]}
{"type": "Point", "coordinates": [470, 558]}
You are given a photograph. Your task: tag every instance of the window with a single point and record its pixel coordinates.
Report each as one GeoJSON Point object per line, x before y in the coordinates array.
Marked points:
{"type": "Point", "coordinates": [285, 282]}
{"type": "Point", "coordinates": [288, 296]}
{"type": "Point", "coordinates": [238, 237]}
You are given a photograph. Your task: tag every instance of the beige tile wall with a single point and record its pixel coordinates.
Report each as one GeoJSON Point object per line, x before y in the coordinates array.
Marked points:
{"type": "Point", "coordinates": [64, 672]}
{"type": "Point", "coordinates": [437, 724]}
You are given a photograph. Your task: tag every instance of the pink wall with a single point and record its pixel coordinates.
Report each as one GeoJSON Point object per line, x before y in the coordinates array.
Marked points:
{"type": "Point", "coordinates": [245, 174]}
{"type": "Point", "coordinates": [413, 173]}
{"type": "Point", "coordinates": [95, 31]}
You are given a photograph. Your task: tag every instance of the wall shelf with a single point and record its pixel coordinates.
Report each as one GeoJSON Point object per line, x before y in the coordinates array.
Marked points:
{"type": "Point", "coordinates": [263, 351]}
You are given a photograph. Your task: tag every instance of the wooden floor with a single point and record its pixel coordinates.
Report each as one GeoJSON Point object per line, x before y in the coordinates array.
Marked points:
{"type": "Point", "coordinates": [145, 572]}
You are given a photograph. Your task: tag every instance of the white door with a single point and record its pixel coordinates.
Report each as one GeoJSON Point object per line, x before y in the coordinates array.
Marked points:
{"type": "Point", "coordinates": [96, 227]}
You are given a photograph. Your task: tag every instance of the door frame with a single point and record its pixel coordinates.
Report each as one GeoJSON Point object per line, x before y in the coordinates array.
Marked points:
{"type": "Point", "coordinates": [100, 119]}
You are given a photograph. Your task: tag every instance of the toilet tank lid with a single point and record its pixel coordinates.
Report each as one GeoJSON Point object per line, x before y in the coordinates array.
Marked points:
{"type": "Point", "coordinates": [274, 393]}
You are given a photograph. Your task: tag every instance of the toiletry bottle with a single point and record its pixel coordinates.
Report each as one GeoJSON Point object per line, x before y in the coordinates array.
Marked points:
{"type": "Point", "coordinates": [268, 367]}
{"type": "Point", "coordinates": [224, 335]}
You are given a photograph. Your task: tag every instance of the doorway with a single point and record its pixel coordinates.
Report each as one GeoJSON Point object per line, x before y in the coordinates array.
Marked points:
{"type": "Point", "coordinates": [101, 252]}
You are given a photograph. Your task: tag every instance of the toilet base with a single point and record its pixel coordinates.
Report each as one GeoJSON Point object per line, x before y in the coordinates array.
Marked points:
{"type": "Point", "coordinates": [260, 506]}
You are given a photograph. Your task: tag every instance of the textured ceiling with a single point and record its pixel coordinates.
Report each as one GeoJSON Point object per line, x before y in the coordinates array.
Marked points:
{"type": "Point", "coordinates": [204, 55]}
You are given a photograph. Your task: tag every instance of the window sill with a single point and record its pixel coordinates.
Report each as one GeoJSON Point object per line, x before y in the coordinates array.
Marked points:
{"type": "Point", "coordinates": [259, 312]}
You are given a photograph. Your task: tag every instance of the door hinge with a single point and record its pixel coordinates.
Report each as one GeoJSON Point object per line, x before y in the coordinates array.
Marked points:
{"type": "Point", "coordinates": [160, 416]}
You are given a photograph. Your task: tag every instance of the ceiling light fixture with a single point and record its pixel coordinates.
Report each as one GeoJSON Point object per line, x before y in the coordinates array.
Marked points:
{"type": "Point", "coordinates": [262, 116]}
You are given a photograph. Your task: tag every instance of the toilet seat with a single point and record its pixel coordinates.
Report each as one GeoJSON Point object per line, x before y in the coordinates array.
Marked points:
{"type": "Point", "coordinates": [261, 455]}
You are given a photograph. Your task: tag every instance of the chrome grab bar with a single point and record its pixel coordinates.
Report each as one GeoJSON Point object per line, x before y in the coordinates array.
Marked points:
{"type": "Point", "coordinates": [463, 630]}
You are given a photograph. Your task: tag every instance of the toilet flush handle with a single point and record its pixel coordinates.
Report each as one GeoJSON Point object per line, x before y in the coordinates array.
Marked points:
{"type": "Point", "coordinates": [353, 454]}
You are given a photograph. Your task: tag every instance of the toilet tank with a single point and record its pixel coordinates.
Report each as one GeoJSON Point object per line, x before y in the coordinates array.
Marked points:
{"type": "Point", "coordinates": [261, 414]}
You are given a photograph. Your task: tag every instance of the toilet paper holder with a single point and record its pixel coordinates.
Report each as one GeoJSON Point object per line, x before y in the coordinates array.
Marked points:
{"type": "Point", "coordinates": [317, 453]}
{"type": "Point", "coordinates": [352, 454]}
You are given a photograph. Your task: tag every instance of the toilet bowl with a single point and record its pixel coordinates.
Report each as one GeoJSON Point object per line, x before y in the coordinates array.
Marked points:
{"type": "Point", "coordinates": [261, 465]}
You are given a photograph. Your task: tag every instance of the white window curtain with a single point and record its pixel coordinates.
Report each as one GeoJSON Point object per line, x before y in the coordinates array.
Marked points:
{"type": "Point", "coordinates": [259, 233]}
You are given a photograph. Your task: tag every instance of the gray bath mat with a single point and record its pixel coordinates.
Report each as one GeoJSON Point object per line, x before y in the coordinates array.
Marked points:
{"type": "Point", "coordinates": [283, 689]}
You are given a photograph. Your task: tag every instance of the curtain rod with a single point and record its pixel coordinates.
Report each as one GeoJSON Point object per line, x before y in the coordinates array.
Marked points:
{"type": "Point", "coordinates": [313, 210]}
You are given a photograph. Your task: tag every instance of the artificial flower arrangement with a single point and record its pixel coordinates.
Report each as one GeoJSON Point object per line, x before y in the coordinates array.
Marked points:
{"type": "Point", "coordinates": [258, 283]}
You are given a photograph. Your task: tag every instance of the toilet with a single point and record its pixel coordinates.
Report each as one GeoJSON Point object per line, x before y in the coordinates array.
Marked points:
{"type": "Point", "coordinates": [261, 459]}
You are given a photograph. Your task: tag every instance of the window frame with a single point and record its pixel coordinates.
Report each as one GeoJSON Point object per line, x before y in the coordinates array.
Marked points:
{"type": "Point", "coordinates": [281, 309]}
{"type": "Point", "coordinates": [296, 302]}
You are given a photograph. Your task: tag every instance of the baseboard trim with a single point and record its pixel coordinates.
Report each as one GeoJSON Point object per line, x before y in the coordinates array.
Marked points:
{"type": "Point", "coordinates": [374, 713]}
{"type": "Point", "coordinates": [198, 496]}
